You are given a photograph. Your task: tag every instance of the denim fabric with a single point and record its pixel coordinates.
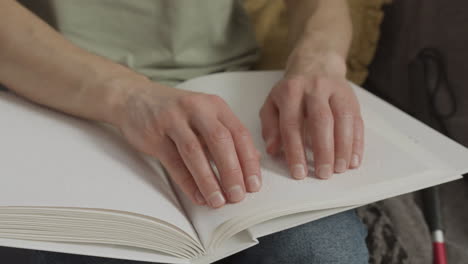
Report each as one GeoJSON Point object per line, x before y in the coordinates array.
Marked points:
{"type": "Point", "coordinates": [337, 239]}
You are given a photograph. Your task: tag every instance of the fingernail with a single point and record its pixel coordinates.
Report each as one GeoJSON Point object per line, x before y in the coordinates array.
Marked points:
{"type": "Point", "coordinates": [324, 171]}
{"type": "Point", "coordinates": [298, 171]}
{"type": "Point", "coordinates": [254, 183]}
{"type": "Point", "coordinates": [236, 193]}
{"type": "Point", "coordinates": [199, 197]}
{"type": "Point", "coordinates": [340, 165]}
{"type": "Point", "coordinates": [355, 161]}
{"type": "Point", "coordinates": [216, 199]}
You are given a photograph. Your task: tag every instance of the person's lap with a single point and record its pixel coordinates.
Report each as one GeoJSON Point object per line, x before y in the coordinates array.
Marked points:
{"type": "Point", "coordinates": [338, 238]}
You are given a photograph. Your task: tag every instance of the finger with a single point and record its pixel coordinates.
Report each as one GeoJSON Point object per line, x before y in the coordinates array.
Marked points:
{"type": "Point", "coordinates": [220, 143]}
{"type": "Point", "coordinates": [320, 127]}
{"type": "Point", "coordinates": [358, 142]}
{"type": "Point", "coordinates": [169, 156]}
{"type": "Point", "coordinates": [248, 155]}
{"type": "Point", "coordinates": [270, 127]}
{"type": "Point", "coordinates": [291, 127]}
{"type": "Point", "coordinates": [343, 132]}
{"type": "Point", "coordinates": [197, 163]}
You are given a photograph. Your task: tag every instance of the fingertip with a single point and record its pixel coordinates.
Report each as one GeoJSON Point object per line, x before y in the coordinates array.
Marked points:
{"type": "Point", "coordinates": [298, 171]}
{"type": "Point", "coordinates": [253, 183]}
{"type": "Point", "coordinates": [216, 200]}
{"type": "Point", "coordinates": [235, 194]}
{"type": "Point", "coordinates": [324, 171]}
{"type": "Point", "coordinates": [340, 165]}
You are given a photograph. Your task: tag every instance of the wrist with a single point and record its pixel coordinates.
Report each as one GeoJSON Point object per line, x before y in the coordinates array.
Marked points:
{"type": "Point", "coordinates": [319, 50]}
{"type": "Point", "coordinates": [126, 90]}
{"type": "Point", "coordinates": [316, 61]}
{"type": "Point", "coordinates": [118, 89]}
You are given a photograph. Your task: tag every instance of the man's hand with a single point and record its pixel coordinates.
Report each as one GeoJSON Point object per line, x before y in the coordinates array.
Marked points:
{"type": "Point", "coordinates": [183, 130]}
{"type": "Point", "coordinates": [314, 102]}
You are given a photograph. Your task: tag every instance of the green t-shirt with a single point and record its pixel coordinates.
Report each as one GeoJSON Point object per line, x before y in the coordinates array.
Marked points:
{"type": "Point", "coordinates": [167, 40]}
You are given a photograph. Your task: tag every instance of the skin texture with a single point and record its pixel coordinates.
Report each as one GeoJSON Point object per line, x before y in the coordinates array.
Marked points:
{"type": "Point", "coordinates": [183, 129]}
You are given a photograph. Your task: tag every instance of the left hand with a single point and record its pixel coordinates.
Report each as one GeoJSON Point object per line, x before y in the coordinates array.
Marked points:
{"type": "Point", "coordinates": [314, 102]}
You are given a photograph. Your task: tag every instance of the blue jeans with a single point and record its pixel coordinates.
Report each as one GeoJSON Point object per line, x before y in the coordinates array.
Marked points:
{"type": "Point", "coordinates": [337, 239]}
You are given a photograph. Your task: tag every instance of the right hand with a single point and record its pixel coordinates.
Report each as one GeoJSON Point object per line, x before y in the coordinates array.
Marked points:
{"type": "Point", "coordinates": [174, 125]}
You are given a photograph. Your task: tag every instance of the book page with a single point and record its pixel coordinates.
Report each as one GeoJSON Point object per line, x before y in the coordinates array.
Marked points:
{"type": "Point", "coordinates": [98, 250]}
{"type": "Point", "coordinates": [393, 163]}
{"type": "Point", "coordinates": [50, 159]}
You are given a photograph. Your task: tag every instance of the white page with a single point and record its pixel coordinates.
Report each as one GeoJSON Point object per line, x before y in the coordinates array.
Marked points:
{"type": "Point", "coordinates": [106, 251]}
{"type": "Point", "coordinates": [289, 221]}
{"type": "Point", "coordinates": [53, 160]}
{"type": "Point", "coordinates": [391, 158]}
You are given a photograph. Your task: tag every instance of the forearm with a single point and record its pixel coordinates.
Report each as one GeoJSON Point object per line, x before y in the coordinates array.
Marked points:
{"type": "Point", "coordinates": [39, 64]}
{"type": "Point", "coordinates": [319, 28]}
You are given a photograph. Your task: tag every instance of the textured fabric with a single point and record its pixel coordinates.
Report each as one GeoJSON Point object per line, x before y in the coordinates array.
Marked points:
{"type": "Point", "coordinates": [167, 40]}
{"type": "Point", "coordinates": [271, 30]}
{"type": "Point", "coordinates": [383, 245]}
{"type": "Point", "coordinates": [337, 239]}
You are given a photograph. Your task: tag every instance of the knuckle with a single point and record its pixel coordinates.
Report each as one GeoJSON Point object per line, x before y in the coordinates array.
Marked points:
{"type": "Point", "coordinates": [219, 134]}
{"type": "Point", "coordinates": [241, 131]}
{"type": "Point", "coordinates": [289, 125]}
{"type": "Point", "coordinates": [295, 157]}
{"type": "Point", "coordinates": [323, 149]}
{"type": "Point", "coordinates": [321, 115]}
{"type": "Point", "coordinates": [215, 99]}
{"type": "Point", "coordinates": [345, 113]}
{"type": "Point", "coordinates": [251, 163]}
{"type": "Point", "coordinates": [207, 181]}
{"type": "Point", "coordinates": [321, 85]}
{"type": "Point", "coordinates": [358, 120]}
{"type": "Point", "coordinates": [169, 121]}
{"type": "Point", "coordinates": [358, 139]}
{"type": "Point", "coordinates": [174, 161]}
{"type": "Point", "coordinates": [231, 173]}
{"type": "Point", "coordinates": [320, 81]}
{"type": "Point", "coordinates": [191, 147]}
{"type": "Point", "coordinates": [291, 89]}
{"type": "Point", "coordinates": [191, 102]}
{"type": "Point", "coordinates": [343, 146]}
{"type": "Point", "coordinates": [358, 142]}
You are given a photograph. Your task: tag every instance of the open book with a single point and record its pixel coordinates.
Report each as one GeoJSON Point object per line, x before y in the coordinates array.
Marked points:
{"type": "Point", "coordinates": [73, 186]}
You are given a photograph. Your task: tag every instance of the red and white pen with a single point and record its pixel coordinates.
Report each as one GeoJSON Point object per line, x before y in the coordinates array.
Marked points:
{"type": "Point", "coordinates": [433, 216]}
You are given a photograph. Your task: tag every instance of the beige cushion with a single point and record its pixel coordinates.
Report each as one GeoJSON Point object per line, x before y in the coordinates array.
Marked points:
{"type": "Point", "coordinates": [270, 22]}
